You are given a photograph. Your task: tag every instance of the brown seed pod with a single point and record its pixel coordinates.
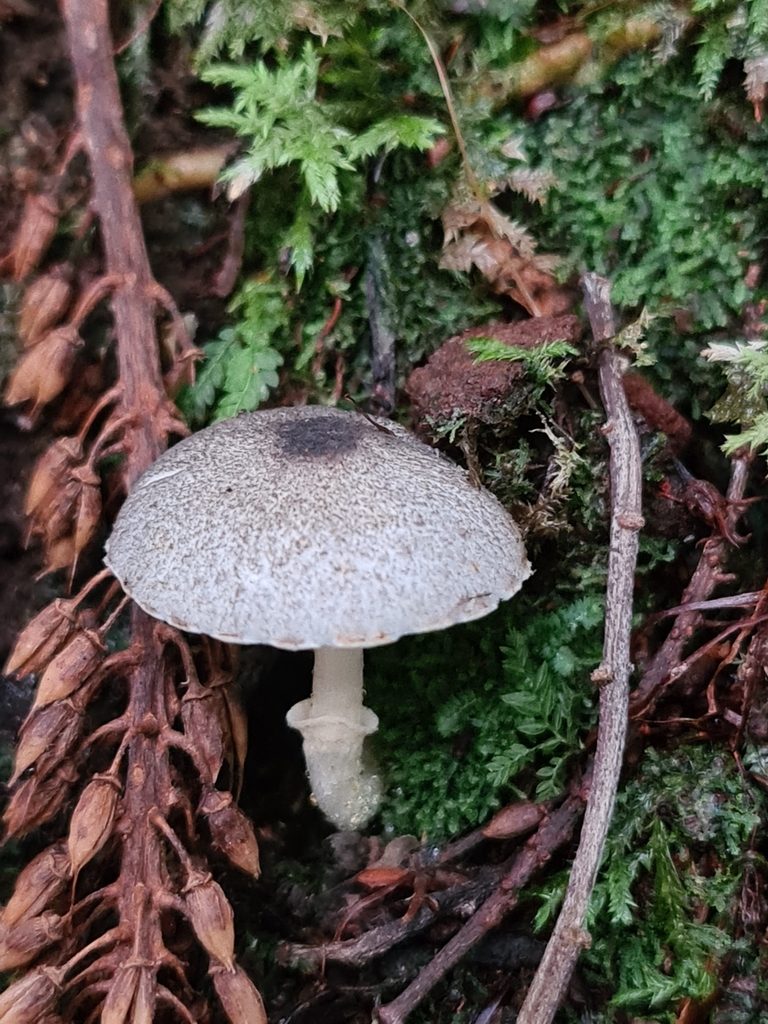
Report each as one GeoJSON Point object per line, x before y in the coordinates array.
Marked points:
{"type": "Point", "coordinates": [21, 944]}
{"type": "Point", "coordinates": [44, 370]}
{"type": "Point", "coordinates": [43, 637]}
{"type": "Point", "coordinates": [120, 995]}
{"type": "Point", "coordinates": [93, 820]}
{"type": "Point", "coordinates": [88, 516]}
{"type": "Point", "coordinates": [51, 473]}
{"type": "Point", "coordinates": [57, 520]}
{"type": "Point", "coordinates": [211, 917]}
{"type": "Point", "coordinates": [45, 302]}
{"type": "Point", "coordinates": [513, 820]}
{"type": "Point", "coordinates": [202, 711]}
{"type": "Point", "coordinates": [37, 801]}
{"type": "Point", "coordinates": [39, 883]}
{"type": "Point", "coordinates": [34, 234]}
{"type": "Point", "coordinates": [70, 668]}
{"type": "Point", "coordinates": [47, 737]}
{"type": "Point", "coordinates": [231, 831]}
{"type": "Point", "coordinates": [30, 998]}
{"type": "Point", "coordinates": [238, 727]}
{"type": "Point", "coordinates": [59, 554]}
{"type": "Point", "coordinates": [239, 997]}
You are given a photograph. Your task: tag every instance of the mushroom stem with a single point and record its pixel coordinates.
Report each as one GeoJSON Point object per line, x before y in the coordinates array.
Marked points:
{"type": "Point", "coordinates": [337, 682]}
{"type": "Point", "coordinates": [333, 724]}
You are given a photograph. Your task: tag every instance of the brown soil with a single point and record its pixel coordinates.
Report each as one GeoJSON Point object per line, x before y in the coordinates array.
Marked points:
{"type": "Point", "coordinates": [452, 383]}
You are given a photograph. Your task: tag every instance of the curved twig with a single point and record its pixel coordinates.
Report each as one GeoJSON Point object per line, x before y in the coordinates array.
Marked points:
{"type": "Point", "coordinates": [569, 937]}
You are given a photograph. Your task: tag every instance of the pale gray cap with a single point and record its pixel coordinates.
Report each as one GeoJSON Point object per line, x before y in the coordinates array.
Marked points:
{"type": "Point", "coordinates": [312, 527]}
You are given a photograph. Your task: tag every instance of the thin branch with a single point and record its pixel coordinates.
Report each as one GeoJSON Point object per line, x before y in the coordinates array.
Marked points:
{"type": "Point", "coordinates": [106, 143]}
{"type": "Point", "coordinates": [555, 830]}
{"type": "Point", "coordinates": [569, 938]}
{"type": "Point", "coordinates": [708, 574]}
{"type": "Point", "coordinates": [381, 939]}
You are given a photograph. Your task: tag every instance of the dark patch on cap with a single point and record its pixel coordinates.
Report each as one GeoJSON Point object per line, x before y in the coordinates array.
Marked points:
{"type": "Point", "coordinates": [319, 436]}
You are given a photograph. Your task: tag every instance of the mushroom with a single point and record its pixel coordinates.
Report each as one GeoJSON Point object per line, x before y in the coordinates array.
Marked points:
{"type": "Point", "coordinates": [316, 528]}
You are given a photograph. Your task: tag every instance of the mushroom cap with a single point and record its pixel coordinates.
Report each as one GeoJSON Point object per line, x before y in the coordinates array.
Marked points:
{"type": "Point", "coordinates": [312, 527]}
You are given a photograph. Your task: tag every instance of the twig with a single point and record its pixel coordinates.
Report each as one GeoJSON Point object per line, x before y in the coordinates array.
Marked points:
{"type": "Point", "coordinates": [106, 143]}
{"type": "Point", "coordinates": [707, 575]}
{"type": "Point", "coordinates": [748, 675]}
{"type": "Point", "coordinates": [569, 938]}
{"type": "Point", "coordinates": [227, 274]}
{"type": "Point", "coordinates": [381, 939]}
{"type": "Point", "coordinates": [378, 300]}
{"type": "Point", "coordinates": [556, 830]}
{"type": "Point", "coordinates": [734, 601]}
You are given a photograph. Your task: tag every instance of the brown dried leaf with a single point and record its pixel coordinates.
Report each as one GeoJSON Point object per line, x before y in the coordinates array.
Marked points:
{"type": "Point", "coordinates": [92, 820]}
{"type": "Point", "coordinates": [39, 883]}
{"type": "Point", "coordinates": [45, 302]}
{"type": "Point", "coordinates": [48, 735]}
{"type": "Point", "coordinates": [21, 944]}
{"type": "Point", "coordinates": [211, 917]}
{"type": "Point", "coordinates": [514, 820]}
{"type": "Point", "coordinates": [34, 234]}
{"type": "Point", "coordinates": [120, 995]}
{"type": "Point", "coordinates": [70, 668]}
{"type": "Point", "coordinates": [755, 82]}
{"type": "Point", "coordinates": [239, 997]}
{"type": "Point", "coordinates": [231, 831]}
{"type": "Point", "coordinates": [44, 371]}
{"type": "Point", "coordinates": [38, 800]}
{"type": "Point", "coordinates": [43, 637]}
{"type": "Point", "coordinates": [533, 184]}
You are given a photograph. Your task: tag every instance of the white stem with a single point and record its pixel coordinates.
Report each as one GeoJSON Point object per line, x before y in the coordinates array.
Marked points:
{"type": "Point", "coordinates": [333, 724]}
{"type": "Point", "coordinates": [337, 682]}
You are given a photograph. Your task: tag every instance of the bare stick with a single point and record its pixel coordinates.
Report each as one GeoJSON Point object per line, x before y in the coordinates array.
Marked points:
{"type": "Point", "coordinates": [569, 938]}
{"type": "Point", "coordinates": [106, 143]}
{"type": "Point", "coordinates": [555, 830]}
{"type": "Point", "coordinates": [708, 574]}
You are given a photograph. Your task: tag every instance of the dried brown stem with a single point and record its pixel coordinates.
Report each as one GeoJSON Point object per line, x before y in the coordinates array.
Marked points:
{"type": "Point", "coordinates": [556, 830]}
{"type": "Point", "coordinates": [749, 674]}
{"type": "Point", "coordinates": [708, 574]}
{"type": "Point", "coordinates": [381, 939]}
{"type": "Point", "coordinates": [569, 938]}
{"type": "Point", "coordinates": [146, 418]}
{"type": "Point", "coordinates": [133, 304]}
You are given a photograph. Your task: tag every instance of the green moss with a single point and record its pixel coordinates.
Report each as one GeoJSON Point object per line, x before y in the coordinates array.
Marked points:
{"type": "Point", "coordinates": [664, 194]}
{"type": "Point", "coordinates": [662, 913]}
{"type": "Point", "coordinates": [482, 713]}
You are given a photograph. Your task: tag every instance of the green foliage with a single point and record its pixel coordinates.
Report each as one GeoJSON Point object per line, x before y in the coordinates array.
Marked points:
{"type": "Point", "coordinates": [474, 715]}
{"type": "Point", "coordinates": [656, 191]}
{"type": "Point", "coordinates": [546, 363]}
{"type": "Point", "coordinates": [241, 364]}
{"type": "Point", "coordinates": [278, 112]}
{"type": "Point", "coordinates": [231, 25]}
{"type": "Point", "coordinates": [310, 139]}
{"type": "Point", "coordinates": [744, 401]}
{"type": "Point", "coordinates": [673, 866]}
{"type": "Point", "coordinates": [730, 30]}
